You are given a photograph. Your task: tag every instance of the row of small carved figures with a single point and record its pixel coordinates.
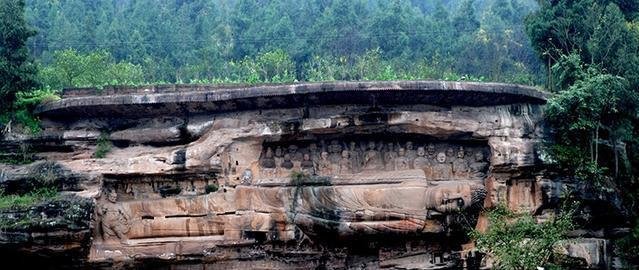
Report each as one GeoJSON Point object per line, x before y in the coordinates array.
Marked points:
{"type": "Point", "coordinates": [375, 156]}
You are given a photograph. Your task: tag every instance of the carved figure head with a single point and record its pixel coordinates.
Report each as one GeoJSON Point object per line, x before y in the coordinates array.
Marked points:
{"type": "Point", "coordinates": [450, 152]}
{"type": "Point", "coordinates": [112, 196]}
{"type": "Point", "coordinates": [479, 156]}
{"type": "Point", "coordinates": [345, 154]}
{"type": "Point", "coordinates": [287, 157]}
{"type": "Point", "coordinates": [441, 157]}
{"type": "Point", "coordinates": [431, 149]}
{"type": "Point", "coordinates": [312, 147]}
{"type": "Point", "coordinates": [269, 152]}
{"type": "Point", "coordinates": [390, 147]}
{"type": "Point", "coordinates": [353, 146]}
{"type": "Point", "coordinates": [335, 147]}
{"type": "Point", "coordinates": [278, 151]}
{"type": "Point", "coordinates": [292, 149]}
{"type": "Point", "coordinates": [409, 145]}
{"type": "Point", "coordinates": [371, 145]}
{"type": "Point", "coordinates": [307, 157]}
{"type": "Point", "coordinates": [324, 155]}
{"type": "Point", "coordinates": [455, 197]}
{"type": "Point", "coordinates": [421, 151]}
{"type": "Point", "coordinates": [401, 152]}
{"type": "Point", "coordinates": [461, 153]}
{"type": "Point", "coordinates": [247, 176]}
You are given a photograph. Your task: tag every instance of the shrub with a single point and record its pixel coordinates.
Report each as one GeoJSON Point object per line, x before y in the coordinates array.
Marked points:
{"type": "Point", "coordinates": [103, 146]}
{"type": "Point", "coordinates": [25, 103]}
{"type": "Point", "coordinates": [169, 190]}
{"type": "Point", "coordinates": [210, 188]}
{"type": "Point", "coordinates": [517, 241]}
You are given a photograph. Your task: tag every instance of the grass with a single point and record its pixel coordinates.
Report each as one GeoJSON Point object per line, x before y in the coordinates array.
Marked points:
{"type": "Point", "coordinates": [20, 201]}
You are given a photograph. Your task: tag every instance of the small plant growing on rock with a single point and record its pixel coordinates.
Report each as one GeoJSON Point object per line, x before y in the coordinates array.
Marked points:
{"type": "Point", "coordinates": [210, 188]}
{"type": "Point", "coordinates": [297, 178]}
{"type": "Point", "coordinates": [103, 146]}
{"type": "Point", "coordinates": [169, 190]}
{"type": "Point", "coordinates": [14, 201]}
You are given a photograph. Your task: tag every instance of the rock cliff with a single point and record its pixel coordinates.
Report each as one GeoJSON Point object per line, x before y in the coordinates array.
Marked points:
{"type": "Point", "coordinates": [338, 175]}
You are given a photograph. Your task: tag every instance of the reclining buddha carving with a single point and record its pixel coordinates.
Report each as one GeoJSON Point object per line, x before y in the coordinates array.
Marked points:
{"type": "Point", "coordinates": [349, 187]}
{"type": "Point", "coordinates": [373, 186]}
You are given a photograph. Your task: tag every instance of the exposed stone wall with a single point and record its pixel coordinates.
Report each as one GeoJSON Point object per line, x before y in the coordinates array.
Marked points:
{"type": "Point", "coordinates": [343, 175]}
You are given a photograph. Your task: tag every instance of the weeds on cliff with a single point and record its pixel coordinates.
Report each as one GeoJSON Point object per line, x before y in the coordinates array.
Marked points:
{"type": "Point", "coordinates": [49, 214]}
{"type": "Point", "coordinates": [23, 155]}
{"type": "Point", "coordinates": [210, 188]}
{"type": "Point", "coordinates": [13, 201]}
{"type": "Point", "coordinates": [103, 146]}
{"type": "Point", "coordinates": [297, 178]}
{"type": "Point", "coordinates": [26, 102]}
{"type": "Point", "coordinates": [517, 241]}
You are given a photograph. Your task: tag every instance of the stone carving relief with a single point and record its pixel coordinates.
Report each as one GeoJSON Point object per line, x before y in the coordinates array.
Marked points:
{"type": "Point", "coordinates": [446, 161]}
{"type": "Point", "coordinates": [408, 209]}
{"type": "Point", "coordinates": [114, 222]}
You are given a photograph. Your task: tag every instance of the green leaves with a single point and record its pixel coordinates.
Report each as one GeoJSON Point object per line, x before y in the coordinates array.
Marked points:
{"type": "Point", "coordinates": [518, 241]}
{"type": "Point", "coordinates": [16, 68]}
{"type": "Point", "coordinates": [595, 111]}
{"type": "Point", "coordinates": [20, 201]}
{"type": "Point", "coordinates": [204, 40]}
{"type": "Point", "coordinates": [95, 69]}
{"type": "Point", "coordinates": [26, 102]}
{"type": "Point", "coordinates": [103, 146]}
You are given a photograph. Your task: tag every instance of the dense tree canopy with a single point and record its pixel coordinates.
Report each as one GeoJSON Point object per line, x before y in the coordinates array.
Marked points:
{"type": "Point", "coordinates": [206, 40]}
{"type": "Point", "coordinates": [16, 68]}
{"type": "Point", "coordinates": [591, 48]}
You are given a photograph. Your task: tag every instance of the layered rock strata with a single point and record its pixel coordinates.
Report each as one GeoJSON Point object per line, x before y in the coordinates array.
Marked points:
{"type": "Point", "coordinates": [328, 175]}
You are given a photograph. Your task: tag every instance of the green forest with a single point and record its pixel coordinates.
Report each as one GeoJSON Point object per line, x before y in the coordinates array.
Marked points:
{"type": "Point", "coordinates": [584, 53]}
{"type": "Point", "coordinates": [189, 41]}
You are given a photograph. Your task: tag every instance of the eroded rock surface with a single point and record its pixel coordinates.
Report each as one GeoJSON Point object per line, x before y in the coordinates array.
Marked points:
{"type": "Point", "coordinates": [336, 175]}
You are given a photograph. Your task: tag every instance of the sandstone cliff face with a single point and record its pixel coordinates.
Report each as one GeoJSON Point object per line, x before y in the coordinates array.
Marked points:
{"type": "Point", "coordinates": [336, 175]}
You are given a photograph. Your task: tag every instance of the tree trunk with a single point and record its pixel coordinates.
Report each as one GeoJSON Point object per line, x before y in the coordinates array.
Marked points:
{"type": "Point", "coordinates": [615, 143]}
{"type": "Point", "coordinates": [597, 144]}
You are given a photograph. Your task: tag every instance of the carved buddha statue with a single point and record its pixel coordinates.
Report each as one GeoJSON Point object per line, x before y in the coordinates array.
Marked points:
{"type": "Point", "coordinates": [372, 158]}
{"type": "Point", "coordinates": [389, 156]}
{"type": "Point", "coordinates": [442, 169]}
{"type": "Point", "coordinates": [374, 210]}
{"type": "Point", "coordinates": [450, 155]}
{"type": "Point", "coordinates": [268, 161]}
{"type": "Point", "coordinates": [314, 152]}
{"type": "Point", "coordinates": [431, 151]}
{"type": "Point", "coordinates": [287, 163]}
{"type": "Point", "coordinates": [460, 165]}
{"type": "Point", "coordinates": [401, 162]}
{"type": "Point", "coordinates": [345, 164]}
{"type": "Point", "coordinates": [324, 165]}
{"type": "Point", "coordinates": [307, 164]}
{"type": "Point", "coordinates": [355, 156]}
{"type": "Point", "coordinates": [478, 167]}
{"type": "Point", "coordinates": [335, 151]}
{"type": "Point", "coordinates": [279, 157]}
{"type": "Point", "coordinates": [420, 161]}
{"type": "Point", "coordinates": [295, 155]}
